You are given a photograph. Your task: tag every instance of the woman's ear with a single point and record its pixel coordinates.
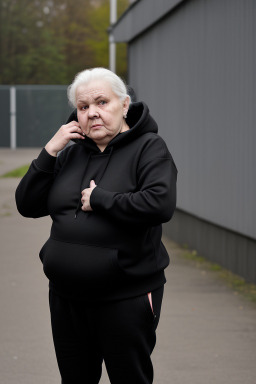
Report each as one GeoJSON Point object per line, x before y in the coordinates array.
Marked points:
{"type": "Point", "coordinates": [126, 105]}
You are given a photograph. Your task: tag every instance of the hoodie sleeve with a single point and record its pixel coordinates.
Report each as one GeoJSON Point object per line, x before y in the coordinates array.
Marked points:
{"type": "Point", "coordinates": [32, 192]}
{"type": "Point", "coordinates": [155, 200]}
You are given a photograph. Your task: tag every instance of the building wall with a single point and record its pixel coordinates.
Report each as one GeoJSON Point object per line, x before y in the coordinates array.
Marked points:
{"type": "Point", "coordinates": [196, 70]}
{"type": "Point", "coordinates": [141, 15]}
{"type": "Point", "coordinates": [235, 252]}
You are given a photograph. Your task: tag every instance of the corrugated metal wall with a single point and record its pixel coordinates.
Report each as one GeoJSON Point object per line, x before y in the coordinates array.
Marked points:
{"type": "Point", "coordinates": [196, 69]}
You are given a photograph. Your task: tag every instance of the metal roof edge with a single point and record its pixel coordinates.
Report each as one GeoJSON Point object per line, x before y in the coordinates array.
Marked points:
{"type": "Point", "coordinates": [141, 15]}
{"type": "Point", "coordinates": [124, 13]}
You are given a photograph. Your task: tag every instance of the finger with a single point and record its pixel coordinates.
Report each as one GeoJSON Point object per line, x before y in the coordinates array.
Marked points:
{"type": "Point", "coordinates": [72, 123]}
{"type": "Point", "coordinates": [92, 184]}
{"type": "Point", "coordinates": [86, 208]}
{"type": "Point", "coordinates": [75, 129]}
{"type": "Point", "coordinates": [76, 136]}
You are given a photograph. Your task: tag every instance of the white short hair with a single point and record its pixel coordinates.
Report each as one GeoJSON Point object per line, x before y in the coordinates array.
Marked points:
{"type": "Point", "coordinates": [85, 77]}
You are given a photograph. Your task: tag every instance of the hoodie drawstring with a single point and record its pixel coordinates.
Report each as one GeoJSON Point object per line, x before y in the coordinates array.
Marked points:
{"type": "Point", "coordinates": [104, 170]}
{"type": "Point", "coordinates": [79, 204]}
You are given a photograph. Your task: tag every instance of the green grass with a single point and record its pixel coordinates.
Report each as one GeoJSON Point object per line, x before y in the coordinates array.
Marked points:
{"type": "Point", "coordinates": [235, 282]}
{"type": "Point", "coordinates": [18, 172]}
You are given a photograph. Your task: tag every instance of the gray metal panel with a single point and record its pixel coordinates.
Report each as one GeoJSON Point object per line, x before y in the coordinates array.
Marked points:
{"type": "Point", "coordinates": [196, 70]}
{"type": "Point", "coordinates": [141, 15]}
{"type": "Point", "coordinates": [226, 248]}
{"type": "Point", "coordinates": [5, 116]}
{"type": "Point", "coordinates": [41, 110]}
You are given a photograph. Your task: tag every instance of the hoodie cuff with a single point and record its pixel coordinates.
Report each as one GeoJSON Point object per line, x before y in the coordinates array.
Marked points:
{"type": "Point", "coordinates": [45, 161]}
{"type": "Point", "coordinates": [101, 199]}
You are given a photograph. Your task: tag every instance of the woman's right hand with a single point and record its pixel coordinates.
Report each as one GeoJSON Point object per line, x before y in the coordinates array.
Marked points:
{"type": "Point", "coordinates": [61, 138]}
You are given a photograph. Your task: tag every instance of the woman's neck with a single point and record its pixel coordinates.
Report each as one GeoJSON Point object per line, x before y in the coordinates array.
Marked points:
{"type": "Point", "coordinates": [125, 127]}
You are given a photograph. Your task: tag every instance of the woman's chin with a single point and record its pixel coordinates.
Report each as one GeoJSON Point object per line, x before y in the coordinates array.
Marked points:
{"type": "Point", "coordinates": [99, 137]}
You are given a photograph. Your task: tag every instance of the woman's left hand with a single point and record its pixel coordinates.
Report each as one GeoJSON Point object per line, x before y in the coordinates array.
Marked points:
{"type": "Point", "coordinates": [86, 194]}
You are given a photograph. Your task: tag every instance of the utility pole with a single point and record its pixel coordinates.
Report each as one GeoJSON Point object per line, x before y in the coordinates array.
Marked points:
{"type": "Point", "coordinates": [112, 45]}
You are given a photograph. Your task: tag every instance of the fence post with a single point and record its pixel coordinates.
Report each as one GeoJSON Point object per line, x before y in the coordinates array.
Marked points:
{"type": "Point", "coordinates": [13, 118]}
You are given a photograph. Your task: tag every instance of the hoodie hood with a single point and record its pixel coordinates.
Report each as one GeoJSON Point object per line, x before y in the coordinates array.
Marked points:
{"type": "Point", "coordinates": [138, 119]}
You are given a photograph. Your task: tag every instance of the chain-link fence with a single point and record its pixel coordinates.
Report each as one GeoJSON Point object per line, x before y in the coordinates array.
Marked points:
{"type": "Point", "coordinates": [30, 114]}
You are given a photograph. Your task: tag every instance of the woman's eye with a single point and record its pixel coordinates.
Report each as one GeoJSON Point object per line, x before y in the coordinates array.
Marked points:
{"type": "Point", "coordinates": [84, 107]}
{"type": "Point", "coordinates": [102, 102]}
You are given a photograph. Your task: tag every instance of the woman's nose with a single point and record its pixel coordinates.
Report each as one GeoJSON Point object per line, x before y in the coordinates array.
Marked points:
{"type": "Point", "coordinates": [92, 113]}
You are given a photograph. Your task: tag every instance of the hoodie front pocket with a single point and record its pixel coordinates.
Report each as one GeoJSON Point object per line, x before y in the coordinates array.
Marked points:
{"type": "Point", "coordinates": [80, 265]}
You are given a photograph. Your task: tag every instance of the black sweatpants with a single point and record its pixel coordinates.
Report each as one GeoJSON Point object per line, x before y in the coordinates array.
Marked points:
{"type": "Point", "coordinates": [122, 333]}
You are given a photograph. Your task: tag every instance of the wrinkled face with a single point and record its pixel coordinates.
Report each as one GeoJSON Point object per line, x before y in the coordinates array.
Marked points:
{"type": "Point", "coordinates": [100, 112]}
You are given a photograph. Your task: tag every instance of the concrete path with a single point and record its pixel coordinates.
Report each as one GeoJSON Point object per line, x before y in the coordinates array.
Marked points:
{"type": "Point", "coordinates": [206, 335]}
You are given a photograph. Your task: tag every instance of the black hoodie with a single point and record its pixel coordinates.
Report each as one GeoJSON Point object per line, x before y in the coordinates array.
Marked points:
{"type": "Point", "coordinates": [115, 251]}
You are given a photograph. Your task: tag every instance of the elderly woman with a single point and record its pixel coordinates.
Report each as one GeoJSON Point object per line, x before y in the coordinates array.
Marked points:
{"type": "Point", "coordinates": [107, 196]}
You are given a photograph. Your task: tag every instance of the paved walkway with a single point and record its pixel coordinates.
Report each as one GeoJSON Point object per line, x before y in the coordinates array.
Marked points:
{"type": "Point", "coordinates": [206, 335]}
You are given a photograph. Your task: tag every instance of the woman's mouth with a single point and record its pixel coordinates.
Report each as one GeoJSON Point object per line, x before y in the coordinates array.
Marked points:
{"type": "Point", "coordinates": [96, 126]}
